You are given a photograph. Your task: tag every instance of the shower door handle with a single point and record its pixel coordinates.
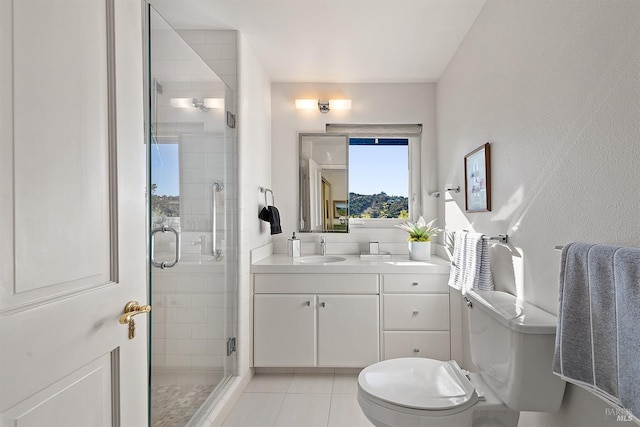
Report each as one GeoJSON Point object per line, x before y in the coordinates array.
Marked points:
{"type": "Point", "coordinates": [164, 264]}
{"type": "Point", "coordinates": [216, 186]}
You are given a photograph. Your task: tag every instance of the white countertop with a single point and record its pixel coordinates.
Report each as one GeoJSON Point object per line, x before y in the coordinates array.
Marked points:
{"type": "Point", "coordinates": [280, 263]}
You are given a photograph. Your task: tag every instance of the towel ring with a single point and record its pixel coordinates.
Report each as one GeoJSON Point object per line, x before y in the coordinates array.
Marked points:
{"type": "Point", "coordinates": [265, 191]}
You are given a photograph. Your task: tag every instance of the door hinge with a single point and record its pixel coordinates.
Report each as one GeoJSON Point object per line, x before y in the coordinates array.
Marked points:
{"type": "Point", "coordinates": [231, 345]}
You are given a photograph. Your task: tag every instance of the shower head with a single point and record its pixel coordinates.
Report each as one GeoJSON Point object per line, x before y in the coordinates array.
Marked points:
{"type": "Point", "coordinates": [199, 105]}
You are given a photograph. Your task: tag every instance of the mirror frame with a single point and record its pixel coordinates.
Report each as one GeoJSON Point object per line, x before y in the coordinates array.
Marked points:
{"type": "Point", "coordinates": [302, 181]}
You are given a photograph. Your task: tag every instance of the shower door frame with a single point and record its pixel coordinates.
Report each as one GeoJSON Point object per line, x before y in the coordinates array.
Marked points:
{"type": "Point", "coordinates": [229, 231]}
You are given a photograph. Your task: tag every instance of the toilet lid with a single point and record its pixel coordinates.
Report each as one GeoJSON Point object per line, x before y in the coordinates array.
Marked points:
{"type": "Point", "coordinates": [418, 383]}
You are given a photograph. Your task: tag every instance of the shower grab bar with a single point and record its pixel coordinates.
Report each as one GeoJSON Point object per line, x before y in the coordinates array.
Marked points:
{"type": "Point", "coordinates": [165, 264]}
{"type": "Point", "coordinates": [216, 186]}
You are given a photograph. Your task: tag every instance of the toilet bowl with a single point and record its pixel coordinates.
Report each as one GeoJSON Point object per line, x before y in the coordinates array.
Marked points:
{"type": "Point", "coordinates": [412, 392]}
{"type": "Point", "coordinates": [511, 344]}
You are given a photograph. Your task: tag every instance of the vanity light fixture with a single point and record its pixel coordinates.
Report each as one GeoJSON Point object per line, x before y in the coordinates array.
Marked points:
{"type": "Point", "coordinates": [203, 105]}
{"type": "Point", "coordinates": [323, 106]}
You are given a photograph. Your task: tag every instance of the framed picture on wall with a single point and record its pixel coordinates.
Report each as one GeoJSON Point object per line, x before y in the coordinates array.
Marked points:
{"type": "Point", "coordinates": [477, 172]}
{"type": "Point", "coordinates": [339, 208]}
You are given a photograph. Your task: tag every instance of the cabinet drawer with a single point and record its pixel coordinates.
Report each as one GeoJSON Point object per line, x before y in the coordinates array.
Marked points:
{"type": "Point", "coordinates": [432, 344]}
{"type": "Point", "coordinates": [416, 283]}
{"type": "Point", "coordinates": [416, 312]}
{"type": "Point", "coordinates": [316, 283]}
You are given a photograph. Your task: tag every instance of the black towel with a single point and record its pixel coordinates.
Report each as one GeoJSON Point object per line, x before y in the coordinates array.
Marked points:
{"type": "Point", "coordinates": [271, 215]}
{"type": "Point", "coordinates": [275, 220]}
{"type": "Point", "coordinates": [265, 215]}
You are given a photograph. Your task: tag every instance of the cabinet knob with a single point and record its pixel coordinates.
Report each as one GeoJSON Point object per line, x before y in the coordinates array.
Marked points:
{"type": "Point", "coordinates": [416, 312]}
{"type": "Point", "coordinates": [308, 303]}
{"type": "Point", "coordinates": [416, 350]}
{"type": "Point", "coordinates": [321, 304]}
{"type": "Point", "coordinates": [415, 284]}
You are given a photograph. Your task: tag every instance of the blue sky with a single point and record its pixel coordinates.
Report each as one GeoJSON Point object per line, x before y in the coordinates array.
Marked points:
{"type": "Point", "coordinates": [373, 169]}
{"type": "Point", "coordinates": [165, 172]}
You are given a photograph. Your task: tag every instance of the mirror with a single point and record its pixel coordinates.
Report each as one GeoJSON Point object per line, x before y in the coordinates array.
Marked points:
{"type": "Point", "coordinates": [324, 193]}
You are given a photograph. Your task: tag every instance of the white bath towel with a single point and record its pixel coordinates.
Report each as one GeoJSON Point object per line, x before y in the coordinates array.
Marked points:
{"type": "Point", "coordinates": [470, 268]}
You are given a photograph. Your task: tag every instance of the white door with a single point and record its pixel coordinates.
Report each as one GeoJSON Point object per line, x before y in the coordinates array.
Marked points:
{"type": "Point", "coordinates": [348, 331]}
{"type": "Point", "coordinates": [72, 213]}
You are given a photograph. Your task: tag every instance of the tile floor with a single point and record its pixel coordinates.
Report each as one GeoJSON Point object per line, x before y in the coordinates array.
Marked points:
{"type": "Point", "coordinates": [298, 400]}
{"type": "Point", "coordinates": [174, 405]}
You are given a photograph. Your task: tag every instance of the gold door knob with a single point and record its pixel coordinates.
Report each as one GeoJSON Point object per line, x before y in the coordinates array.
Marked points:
{"type": "Point", "coordinates": [132, 308]}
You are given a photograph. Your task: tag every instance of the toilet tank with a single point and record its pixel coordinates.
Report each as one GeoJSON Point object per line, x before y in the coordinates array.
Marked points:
{"type": "Point", "coordinates": [512, 345]}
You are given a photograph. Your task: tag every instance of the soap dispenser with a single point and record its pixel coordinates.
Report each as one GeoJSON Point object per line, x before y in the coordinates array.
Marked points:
{"type": "Point", "coordinates": [293, 246]}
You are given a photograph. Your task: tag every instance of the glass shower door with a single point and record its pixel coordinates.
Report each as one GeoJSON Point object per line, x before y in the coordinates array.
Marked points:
{"type": "Point", "coordinates": [192, 162]}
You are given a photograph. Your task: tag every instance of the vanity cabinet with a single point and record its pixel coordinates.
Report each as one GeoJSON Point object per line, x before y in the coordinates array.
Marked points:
{"type": "Point", "coordinates": [308, 320]}
{"type": "Point", "coordinates": [416, 321]}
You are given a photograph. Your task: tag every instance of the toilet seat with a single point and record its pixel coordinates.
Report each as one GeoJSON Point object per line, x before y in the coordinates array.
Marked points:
{"type": "Point", "coordinates": [418, 384]}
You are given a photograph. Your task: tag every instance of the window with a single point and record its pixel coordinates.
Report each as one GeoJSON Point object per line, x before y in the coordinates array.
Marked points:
{"type": "Point", "coordinates": [384, 161]}
{"type": "Point", "coordinates": [378, 177]}
{"type": "Point", "coordinates": [165, 180]}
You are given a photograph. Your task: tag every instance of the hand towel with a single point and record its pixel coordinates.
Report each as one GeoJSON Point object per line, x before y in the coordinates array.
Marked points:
{"type": "Point", "coordinates": [264, 214]}
{"type": "Point", "coordinates": [274, 220]}
{"type": "Point", "coordinates": [470, 267]}
{"type": "Point", "coordinates": [598, 337]}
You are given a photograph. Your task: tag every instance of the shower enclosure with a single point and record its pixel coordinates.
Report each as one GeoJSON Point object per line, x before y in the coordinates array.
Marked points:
{"type": "Point", "coordinates": [192, 228]}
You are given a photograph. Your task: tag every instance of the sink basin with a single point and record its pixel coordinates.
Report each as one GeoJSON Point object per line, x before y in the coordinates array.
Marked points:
{"type": "Point", "coordinates": [318, 259]}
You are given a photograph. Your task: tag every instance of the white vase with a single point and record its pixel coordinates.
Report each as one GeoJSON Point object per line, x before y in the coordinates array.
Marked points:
{"type": "Point", "coordinates": [420, 251]}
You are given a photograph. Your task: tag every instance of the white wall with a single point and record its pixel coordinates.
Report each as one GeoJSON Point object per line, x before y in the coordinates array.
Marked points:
{"type": "Point", "coordinates": [219, 49]}
{"type": "Point", "coordinates": [371, 103]}
{"type": "Point", "coordinates": [555, 87]}
{"type": "Point", "coordinates": [254, 127]}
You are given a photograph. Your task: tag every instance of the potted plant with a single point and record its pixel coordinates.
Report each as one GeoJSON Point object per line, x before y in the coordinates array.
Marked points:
{"type": "Point", "coordinates": [420, 234]}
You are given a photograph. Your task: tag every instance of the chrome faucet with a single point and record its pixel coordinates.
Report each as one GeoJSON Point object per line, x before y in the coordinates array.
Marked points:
{"type": "Point", "coordinates": [323, 246]}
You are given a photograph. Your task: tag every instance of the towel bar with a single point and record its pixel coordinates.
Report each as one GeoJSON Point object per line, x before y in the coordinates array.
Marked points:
{"type": "Point", "coordinates": [438, 193]}
{"type": "Point", "coordinates": [265, 191]}
{"type": "Point", "coordinates": [502, 238]}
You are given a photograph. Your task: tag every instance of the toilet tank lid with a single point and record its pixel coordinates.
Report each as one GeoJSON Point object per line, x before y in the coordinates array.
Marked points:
{"type": "Point", "coordinates": [514, 313]}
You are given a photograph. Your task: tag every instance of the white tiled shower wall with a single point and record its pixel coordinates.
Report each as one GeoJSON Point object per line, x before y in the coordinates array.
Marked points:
{"type": "Point", "coordinates": [189, 323]}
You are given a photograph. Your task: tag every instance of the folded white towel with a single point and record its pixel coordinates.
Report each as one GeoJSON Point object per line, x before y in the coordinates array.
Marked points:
{"type": "Point", "coordinates": [470, 268]}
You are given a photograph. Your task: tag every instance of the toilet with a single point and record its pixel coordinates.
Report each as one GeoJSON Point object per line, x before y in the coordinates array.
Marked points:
{"type": "Point", "coordinates": [511, 344]}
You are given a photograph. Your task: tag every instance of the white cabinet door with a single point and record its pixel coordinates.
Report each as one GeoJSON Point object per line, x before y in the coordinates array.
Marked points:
{"type": "Point", "coordinates": [284, 330]}
{"type": "Point", "coordinates": [348, 330]}
{"type": "Point", "coordinates": [72, 213]}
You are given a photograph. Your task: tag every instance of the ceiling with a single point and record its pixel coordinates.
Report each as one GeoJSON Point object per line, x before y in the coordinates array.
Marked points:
{"type": "Point", "coordinates": [347, 41]}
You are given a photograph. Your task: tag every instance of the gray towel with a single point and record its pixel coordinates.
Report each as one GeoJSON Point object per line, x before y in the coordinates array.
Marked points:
{"type": "Point", "coordinates": [470, 268]}
{"type": "Point", "coordinates": [573, 356]}
{"type": "Point", "coordinates": [627, 272]}
{"type": "Point", "coordinates": [598, 335]}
